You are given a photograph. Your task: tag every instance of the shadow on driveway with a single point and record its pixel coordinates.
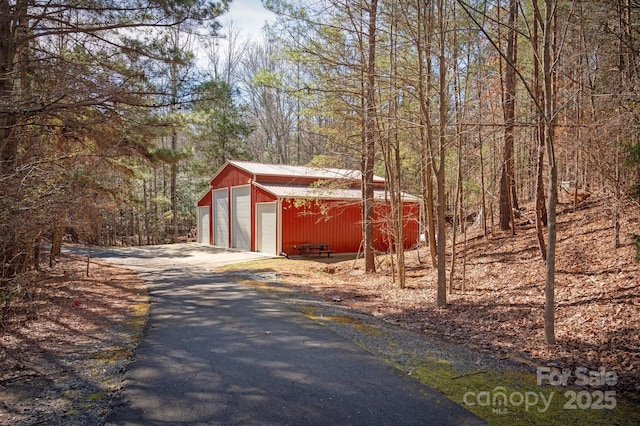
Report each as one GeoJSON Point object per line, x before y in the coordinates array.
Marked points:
{"type": "Point", "coordinates": [217, 352]}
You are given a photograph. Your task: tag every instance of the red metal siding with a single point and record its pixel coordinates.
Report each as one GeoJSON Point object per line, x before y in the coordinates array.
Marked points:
{"type": "Point", "coordinates": [205, 200]}
{"type": "Point", "coordinates": [411, 225]}
{"type": "Point", "coordinates": [338, 223]}
{"type": "Point", "coordinates": [334, 222]}
{"type": "Point", "coordinates": [262, 196]}
{"type": "Point", "coordinates": [410, 228]}
{"type": "Point", "coordinates": [230, 176]}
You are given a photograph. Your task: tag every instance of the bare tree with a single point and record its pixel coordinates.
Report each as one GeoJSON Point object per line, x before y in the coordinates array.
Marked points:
{"type": "Point", "coordinates": [508, 199]}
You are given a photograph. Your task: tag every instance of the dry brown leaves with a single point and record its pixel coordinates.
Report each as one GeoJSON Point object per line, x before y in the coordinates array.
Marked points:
{"type": "Point", "coordinates": [502, 304]}
{"type": "Point", "coordinates": [60, 320]}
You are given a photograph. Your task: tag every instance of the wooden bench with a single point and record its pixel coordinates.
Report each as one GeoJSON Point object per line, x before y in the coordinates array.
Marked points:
{"type": "Point", "coordinates": [314, 248]}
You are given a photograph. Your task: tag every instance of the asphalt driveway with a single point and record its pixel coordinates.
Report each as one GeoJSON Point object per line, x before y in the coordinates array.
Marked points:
{"type": "Point", "coordinates": [217, 352]}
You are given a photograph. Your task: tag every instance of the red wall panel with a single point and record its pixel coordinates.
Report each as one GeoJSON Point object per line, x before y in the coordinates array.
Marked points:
{"type": "Point", "coordinates": [205, 200]}
{"type": "Point", "coordinates": [262, 196]}
{"type": "Point", "coordinates": [339, 224]}
{"type": "Point", "coordinates": [230, 176]}
{"type": "Point", "coordinates": [333, 222]}
{"type": "Point", "coordinates": [411, 225]}
{"type": "Point", "coordinates": [383, 237]}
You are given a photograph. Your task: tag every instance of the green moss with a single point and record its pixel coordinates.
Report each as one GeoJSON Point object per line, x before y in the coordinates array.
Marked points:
{"type": "Point", "coordinates": [138, 317]}
{"type": "Point", "coordinates": [96, 396]}
{"type": "Point", "coordinates": [112, 355]}
{"type": "Point", "coordinates": [358, 325]}
{"type": "Point", "coordinates": [484, 391]}
{"type": "Point", "coordinates": [310, 312]}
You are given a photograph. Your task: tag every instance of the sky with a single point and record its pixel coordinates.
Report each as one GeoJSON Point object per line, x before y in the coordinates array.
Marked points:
{"type": "Point", "coordinates": [249, 16]}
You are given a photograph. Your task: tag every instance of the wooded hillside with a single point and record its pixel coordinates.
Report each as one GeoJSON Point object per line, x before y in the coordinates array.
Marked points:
{"type": "Point", "coordinates": [110, 127]}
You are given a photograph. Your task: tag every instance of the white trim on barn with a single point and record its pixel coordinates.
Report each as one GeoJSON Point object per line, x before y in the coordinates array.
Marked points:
{"type": "Point", "coordinates": [203, 225]}
{"type": "Point", "coordinates": [279, 225]}
{"type": "Point", "coordinates": [241, 217]}
{"type": "Point", "coordinates": [220, 202]}
{"type": "Point", "coordinates": [266, 228]}
{"type": "Point", "coordinates": [323, 193]}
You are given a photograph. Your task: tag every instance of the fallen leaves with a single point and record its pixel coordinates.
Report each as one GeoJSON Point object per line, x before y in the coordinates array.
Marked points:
{"type": "Point", "coordinates": [597, 295]}
{"type": "Point", "coordinates": [51, 345]}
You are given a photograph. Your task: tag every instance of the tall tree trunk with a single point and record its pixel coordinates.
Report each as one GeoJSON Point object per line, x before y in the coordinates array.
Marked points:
{"type": "Point", "coordinates": [146, 208]}
{"type": "Point", "coordinates": [399, 237]}
{"type": "Point", "coordinates": [507, 183]}
{"type": "Point", "coordinates": [57, 232]}
{"type": "Point", "coordinates": [540, 213]}
{"type": "Point", "coordinates": [370, 141]}
{"type": "Point", "coordinates": [427, 195]}
{"type": "Point", "coordinates": [174, 193]}
{"type": "Point", "coordinates": [540, 204]}
{"type": "Point", "coordinates": [457, 204]}
{"type": "Point", "coordinates": [174, 163]}
{"type": "Point", "coordinates": [441, 297]}
{"type": "Point", "coordinates": [482, 184]}
{"type": "Point", "coordinates": [8, 118]}
{"type": "Point", "coordinates": [549, 121]}
{"type": "Point", "coordinates": [457, 219]}
{"type": "Point", "coordinates": [423, 46]}
{"type": "Point", "coordinates": [393, 162]}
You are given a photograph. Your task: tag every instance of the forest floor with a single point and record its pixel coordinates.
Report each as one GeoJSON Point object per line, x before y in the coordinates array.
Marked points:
{"type": "Point", "coordinates": [497, 303]}
{"type": "Point", "coordinates": [66, 340]}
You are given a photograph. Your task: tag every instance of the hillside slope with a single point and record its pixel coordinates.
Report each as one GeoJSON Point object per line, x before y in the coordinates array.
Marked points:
{"type": "Point", "coordinates": [502, 304]}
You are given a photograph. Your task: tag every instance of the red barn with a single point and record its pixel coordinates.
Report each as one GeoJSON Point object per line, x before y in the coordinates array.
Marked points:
{"type": "Point", "coordinates": [276, 208]}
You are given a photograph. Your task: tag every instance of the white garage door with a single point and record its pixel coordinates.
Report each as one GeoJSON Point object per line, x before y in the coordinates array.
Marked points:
{"type": "Point", "coordinates": [221, 218]}
{"type": "Point", "coordinates": [266, 228]}
{"type": "Point", "coordinates": [241, 218]}
{"type": "Point", "coordinates": [203, 225]}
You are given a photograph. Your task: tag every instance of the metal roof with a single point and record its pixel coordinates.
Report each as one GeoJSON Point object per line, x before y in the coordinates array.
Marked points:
{"type": "Point", "coordinates": [327, 193]}
{"type": "Point", "coordinates": [286, 170]}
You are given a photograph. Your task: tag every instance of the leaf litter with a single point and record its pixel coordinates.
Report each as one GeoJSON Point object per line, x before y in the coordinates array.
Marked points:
{"type": "Point", "coordinates": [501, 309]}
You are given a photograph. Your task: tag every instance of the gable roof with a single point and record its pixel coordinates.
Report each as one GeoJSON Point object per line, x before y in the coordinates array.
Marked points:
{"type": "Point", "coordinates": [326, 193]}
{"type": "Point", "coordinates": [285, 170]}
{"type": "Point", "coordinates": [287, 181]}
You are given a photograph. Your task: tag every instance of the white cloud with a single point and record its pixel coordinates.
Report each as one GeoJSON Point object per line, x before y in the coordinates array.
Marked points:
{"type": "Point", "coordinates": [249, 16]}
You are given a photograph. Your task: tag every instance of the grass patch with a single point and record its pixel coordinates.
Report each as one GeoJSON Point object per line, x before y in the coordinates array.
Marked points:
{"type": "Point", "coordinates": [139, 317]}
{"type": "Point", "coordinates": [113, 355]}
{"type": "Point", "coordinates": [358, 325]}
{"type": "Point", "coordinates": [252, 265]}
{"type": "Point", "coordinates": [310, 312]}
{"type": "Point", "coordinates": [134, 326]}
{"type": "Point", "coordinates": [513, 398]}
{"type": "Point", "coordinates": [96, 396]}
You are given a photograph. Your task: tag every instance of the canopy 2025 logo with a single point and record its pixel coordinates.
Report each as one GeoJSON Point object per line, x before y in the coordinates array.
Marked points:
{"type": "Point", "coordinates": [583, 377]}
{"type": "Point", "coordinates": [501, 401]}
